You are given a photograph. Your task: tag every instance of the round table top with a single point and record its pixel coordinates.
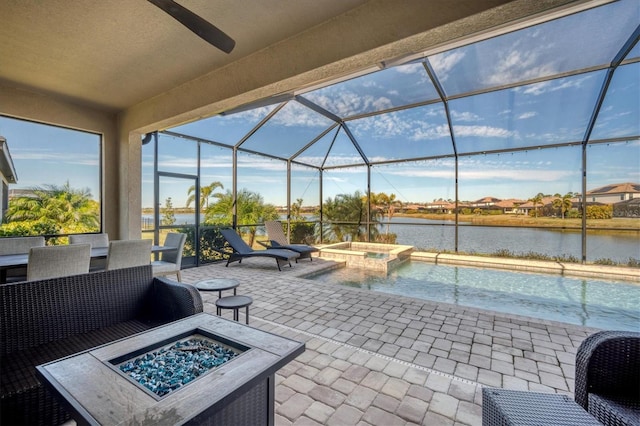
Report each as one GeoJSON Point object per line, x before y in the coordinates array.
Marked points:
{"type": "Point", "coordinates": [217, 284]}
{"type": "Point", "coordinates": [234, 301]}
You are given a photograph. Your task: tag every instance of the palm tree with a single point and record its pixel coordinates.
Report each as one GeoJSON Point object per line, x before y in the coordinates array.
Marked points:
{"type": "Point", "coordinates": [537, 200]}
{"type": "Point", "coordinates": [67, 209]}
{"type": "Point", "coordinates": [563, 202]}
{"type": "Point", "coordinates": [349, 208]}
{"type": "Point", "coordinates": [205, 193]}
{"type": "Point", "coordinates": [251, 210]}
{"type": "Point", "coordinates": [388, 203]}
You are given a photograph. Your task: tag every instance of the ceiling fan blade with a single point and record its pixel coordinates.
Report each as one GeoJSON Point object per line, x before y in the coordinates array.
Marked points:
{"type": "Point", "coordinates": [195, 23]}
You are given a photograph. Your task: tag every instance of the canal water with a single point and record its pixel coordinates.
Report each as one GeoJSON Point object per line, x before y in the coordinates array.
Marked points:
{"type": "Point", "coordinates": [440, 235]}
{"type": "Point", "coordinates": [473, 239]}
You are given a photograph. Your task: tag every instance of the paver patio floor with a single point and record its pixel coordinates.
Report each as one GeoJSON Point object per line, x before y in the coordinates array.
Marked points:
{"type": "Point", "coordinates": [380, 359]}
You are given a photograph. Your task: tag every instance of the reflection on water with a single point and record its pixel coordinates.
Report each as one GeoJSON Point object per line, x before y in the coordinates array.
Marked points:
{"type": "Point", "coordinates": [592, 303]}
{"type": "Point", "coordinates": [472, 239]}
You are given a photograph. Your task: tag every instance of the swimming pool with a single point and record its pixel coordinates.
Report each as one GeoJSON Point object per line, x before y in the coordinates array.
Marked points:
{"type": "Point", "coordinates": [587, 302]}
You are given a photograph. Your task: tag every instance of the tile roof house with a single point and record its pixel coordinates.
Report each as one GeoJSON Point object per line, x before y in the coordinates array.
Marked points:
{"type": "Point", "coordinates": [614, 193]}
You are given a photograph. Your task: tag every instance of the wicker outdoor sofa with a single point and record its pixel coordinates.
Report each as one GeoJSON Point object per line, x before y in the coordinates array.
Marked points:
{"type": "Point", "coordinates": [41, 321]}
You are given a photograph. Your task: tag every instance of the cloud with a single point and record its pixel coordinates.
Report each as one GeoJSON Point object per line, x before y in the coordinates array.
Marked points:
{"type": "Point", "coordinates": [251, 116]}
{"type": "Point", "coordinates": [254, 162]}
{"type": "Point", "coordinates": [332, 160]}
{"type": "Point", "coordinates": [415, 68]}
{"type": "Point", "coordinates": [55, 157]}
{"type": "Point", "coordinates": [382, 126]}
{"type": "Point", "coordinates": [519, 65]}
{"type": "Point", "coordinates": [430, 132]}
{"type": "Point", "coordinates": [440, 173]}
{"type": "Point", "coordinates": [443, 63]}
{"type": "Point", "coordinates": [294, 114]}
{"type": "Point", "coordinates": [526, 115]}
{"type": "Point", "coordinates": [484, 172]}
{"type": "Point", "coordinates": [464, 116]}
{"type": "Point", "coordinates": [347, 103]}
{"type": "Point", "coordinates": [484, 132]}
{"type": "Point", "coordinates": [515, 174]}
{"type": "Point", "coordinates": [537, 89]}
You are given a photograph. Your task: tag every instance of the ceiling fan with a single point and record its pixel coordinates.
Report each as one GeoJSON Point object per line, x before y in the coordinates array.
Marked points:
{"type": "Point", "coordinates": [195, 23]}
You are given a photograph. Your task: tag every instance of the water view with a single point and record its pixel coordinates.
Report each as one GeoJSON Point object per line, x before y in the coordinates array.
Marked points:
{"type": "Point", "coordinates": [586, 302]}
{"type": "Point", "coordinates": [473, 239]}
{"type": "Point", "coordinates": [439, 234]}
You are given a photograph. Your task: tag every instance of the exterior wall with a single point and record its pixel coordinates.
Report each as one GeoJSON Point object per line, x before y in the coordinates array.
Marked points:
{"type": "Point", "coordinates": [31, 106]}
{"type": "Point", "coordinates": [609, 198]}
{"type": "Point", "coordinates": [4, 189]}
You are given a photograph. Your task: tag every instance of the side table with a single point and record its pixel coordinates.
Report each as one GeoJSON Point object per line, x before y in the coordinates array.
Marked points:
{"type": "Point", "coordinates": [519, 408]}
{"type": "Point", "coordinates": [218, 284]}
{"type": "Point", "coordinates": [235, 303]}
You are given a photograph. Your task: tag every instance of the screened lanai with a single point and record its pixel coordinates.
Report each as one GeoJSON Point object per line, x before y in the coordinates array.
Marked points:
{"type": "Point", "coordinates": [523, 139]}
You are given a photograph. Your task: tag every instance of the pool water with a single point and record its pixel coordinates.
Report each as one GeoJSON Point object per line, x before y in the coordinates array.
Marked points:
{"type": "Point", "coordinates": [586, 302]}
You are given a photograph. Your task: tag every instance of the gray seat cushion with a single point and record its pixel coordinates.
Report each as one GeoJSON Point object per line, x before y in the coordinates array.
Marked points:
{"type": "Point", "coordinates": [18, 371]}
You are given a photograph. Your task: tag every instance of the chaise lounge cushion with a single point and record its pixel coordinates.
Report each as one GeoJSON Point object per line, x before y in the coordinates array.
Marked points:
{"type": "Point", "coordinates": [277, 240]}
{"type": "Point", "coordinates": [242, 250]}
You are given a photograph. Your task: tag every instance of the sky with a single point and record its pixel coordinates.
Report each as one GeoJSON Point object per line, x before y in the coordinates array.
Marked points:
{"type": "Point", "coordinates": [531, 119]}
{"type": "Point", "coordinates": [49, 155]}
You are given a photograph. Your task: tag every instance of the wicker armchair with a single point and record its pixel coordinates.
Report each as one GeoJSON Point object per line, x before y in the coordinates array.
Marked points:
{"type": "Point", "coordinates": [608, 377]}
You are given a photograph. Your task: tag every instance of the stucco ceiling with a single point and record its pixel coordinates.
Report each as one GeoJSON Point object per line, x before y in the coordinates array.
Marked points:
{"type": "Point", "coordinates": [115, 53]}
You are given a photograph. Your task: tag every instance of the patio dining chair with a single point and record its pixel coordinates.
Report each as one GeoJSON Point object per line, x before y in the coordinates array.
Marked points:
{"type": "Point", "coordinates": [95, 240]}
{"type": "Point", "coordinates": [170, 262]}
{"type": "Point", "coordinates": [277, 240]}
{"type": "Point", "coordinates": [18, 245]}
{"type": "Point", "coordinates": [58, 261]}
{"type": "Point", "coordinates": [128, 253]}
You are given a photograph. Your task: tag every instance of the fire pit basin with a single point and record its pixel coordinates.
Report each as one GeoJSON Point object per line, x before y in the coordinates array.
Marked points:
{"type": "Point", "coordinates": [168, 368]}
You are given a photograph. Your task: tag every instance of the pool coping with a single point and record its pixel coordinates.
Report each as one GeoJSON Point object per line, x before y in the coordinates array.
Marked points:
{"type": "Point", "coordinates": [355, 254]}
{"type": "Point", "coordinates": [548, 267]}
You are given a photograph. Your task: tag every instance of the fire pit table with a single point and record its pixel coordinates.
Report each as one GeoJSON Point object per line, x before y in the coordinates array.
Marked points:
{"type": "Point", "coordinates": [233, 384]}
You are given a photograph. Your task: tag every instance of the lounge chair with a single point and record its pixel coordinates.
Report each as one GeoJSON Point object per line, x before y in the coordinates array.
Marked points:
{"type": "Point", "coordinates": [277, 240]}
{"type": "Point", "coordinates": [242, 250]}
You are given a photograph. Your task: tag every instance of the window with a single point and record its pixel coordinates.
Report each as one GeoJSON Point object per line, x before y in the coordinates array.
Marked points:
{"type": "Point", "coordinates": [55, 186]}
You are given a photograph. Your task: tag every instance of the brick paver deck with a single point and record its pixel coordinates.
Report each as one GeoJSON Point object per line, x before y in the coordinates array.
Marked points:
{"type": "Point", "coordinates": [379, 359]}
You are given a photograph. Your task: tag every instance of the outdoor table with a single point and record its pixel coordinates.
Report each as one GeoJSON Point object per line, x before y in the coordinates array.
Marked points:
{"type": "Point", "coordinates": [218, 284]}
{"type": "Point", "coordinates": [240, 391]}
{"type": "Point", "coordinates": [9, 261]}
